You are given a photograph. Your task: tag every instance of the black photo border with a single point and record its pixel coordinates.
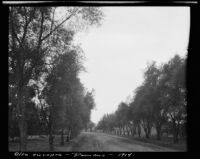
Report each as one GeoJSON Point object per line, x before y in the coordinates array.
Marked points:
{"type": "Point", "coordinates": [191, 78]}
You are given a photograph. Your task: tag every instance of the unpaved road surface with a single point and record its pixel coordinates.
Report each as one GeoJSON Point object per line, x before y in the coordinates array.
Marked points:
{"type": "Point", "coordinates": [100, 142]}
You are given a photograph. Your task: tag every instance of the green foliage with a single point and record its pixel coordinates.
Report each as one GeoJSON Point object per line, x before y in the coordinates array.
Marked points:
{"type": "Point", "coordinates": [34, 126]}
{"type": "Point", "coordinates": [159, 102]}
{"type": "Point", "coordinates": [37, 43]}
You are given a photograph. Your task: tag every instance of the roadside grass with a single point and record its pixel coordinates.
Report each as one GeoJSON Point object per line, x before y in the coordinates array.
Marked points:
{"type": "Point", "coordinates": [76, 144]}
{"type": "Point", "coordinates": [37, 144]}
{"type": "Point", "coordinates": [89, 140]}
{"type": "Point", "coordinates": [40, 143]}
{"type": "Point", "coordinates": [165, 141]}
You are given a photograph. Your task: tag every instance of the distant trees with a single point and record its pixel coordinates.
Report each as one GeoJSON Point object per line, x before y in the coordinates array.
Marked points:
{"type": "Point", "coordinates": [90, 126]}
{"type": "Point", "coordinates": [36, 40]}
{"type": "Point", "coordinates": [121, 117]}
{"type": "Point", "coordinates": [160, 102]}
{"type": "Point", "coordinates": [115, 122]}
{"type": "Point", "coordinates": [176, 94]}
{"type": "Point", "coordinates": [59, 92]}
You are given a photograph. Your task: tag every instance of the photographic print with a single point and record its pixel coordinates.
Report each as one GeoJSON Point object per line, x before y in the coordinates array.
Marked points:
{"type": "Point", "coordinates": [97, 78]}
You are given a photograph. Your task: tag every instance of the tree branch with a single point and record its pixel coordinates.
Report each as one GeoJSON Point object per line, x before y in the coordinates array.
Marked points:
{"type": "Point", "coordinates": [41, 31]}
{"type": "Point", "coordinates": [27, 23]}
{"type": "Point", "coordinates": [51, 32]}
{"type": "Point", "coordinates": [14, 35]}
{"type": "Point", "coordinates": [52, 21]}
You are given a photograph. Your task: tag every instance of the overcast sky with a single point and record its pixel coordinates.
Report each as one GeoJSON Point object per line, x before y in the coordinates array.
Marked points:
{"type": "Point", "coordinates": [118, 51]}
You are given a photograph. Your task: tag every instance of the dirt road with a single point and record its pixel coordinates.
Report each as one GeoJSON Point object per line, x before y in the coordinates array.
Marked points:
{"type": "Point", "coordinates": [100, 142]}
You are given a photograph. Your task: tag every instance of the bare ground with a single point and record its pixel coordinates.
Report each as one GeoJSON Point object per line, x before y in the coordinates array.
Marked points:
{"type": "Point", "coordinates": [100, 142]}
{"type": "Point", "coordinates": [93, 142]}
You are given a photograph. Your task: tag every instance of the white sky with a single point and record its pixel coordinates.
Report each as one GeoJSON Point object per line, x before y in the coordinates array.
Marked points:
{"type": "Point", "coordinates": [118, 51]}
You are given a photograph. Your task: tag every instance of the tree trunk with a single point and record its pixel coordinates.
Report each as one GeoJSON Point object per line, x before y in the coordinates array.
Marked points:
{"type": "Point", "coordinates": [70, 134]}
{"type": "Point", "coordinates": [123, 130]}
{"type": "Point", "coordinates": [175, 135]}
{"type": "Point", "coordinates": [158, 130]}
{"type": "Point", "coordinates": [129, 133]}
{"type": "Point", "coordinates": [22, 129]}
{"type": "Point", "coordinates": [67, 138]}
{"type": "Point", "coordinates": [62, 137]}
{"type": "Point", "coordinates": [158, 135]}
{"type": "Point", "coordinates": [147, 132]}
{"type": "Point", "coordinates": [21, 120]}
{"type": "Point", "coordinates": [175, 131]}
{"type": "Point", "coordinates": [139, 130]}
{"type": "Point", "coordinates": [134, 130]}
{"type": "Point", "coordinates": [147, 135]}
{"type": "Point", "coordinates": [51, 138]}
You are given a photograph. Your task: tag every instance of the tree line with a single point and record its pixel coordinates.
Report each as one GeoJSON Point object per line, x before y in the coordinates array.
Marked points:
{"type": "Point", "coordinates": [46, 95]}
{"type": "Point", "coordinates": [159, 102]}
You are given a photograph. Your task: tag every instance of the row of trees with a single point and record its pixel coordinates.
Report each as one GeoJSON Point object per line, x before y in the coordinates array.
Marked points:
{"type": "Point", "coordinates": [160, 102]}
{"type": "Point", "coordinates": [45, 93]}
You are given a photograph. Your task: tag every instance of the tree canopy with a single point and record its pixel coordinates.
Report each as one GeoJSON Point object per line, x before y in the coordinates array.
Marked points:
{"type": "Point", "coordinates": [42, 56]}
{"type": "Point", "coordinates": [160, 101]}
